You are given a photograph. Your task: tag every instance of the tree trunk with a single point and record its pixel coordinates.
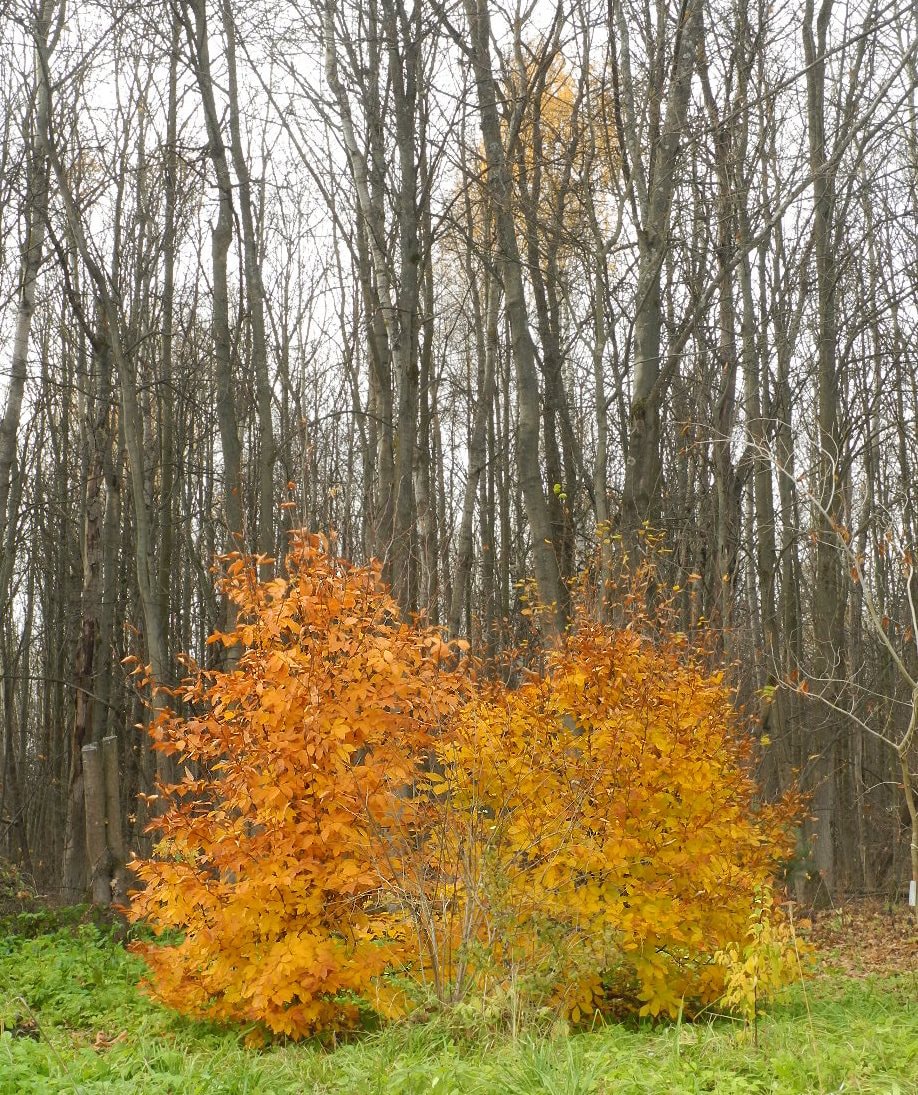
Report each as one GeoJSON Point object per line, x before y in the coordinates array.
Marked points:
{"type": "Point", "coordinates": [553, 599]}
{"type": "Point", "coordinates": [74, 877]}
{"type": "Point", "coordinates": [255, 296]}
{"type": "Point", "coordinates": [642, 486]}
{"type": "Point", "coordinates": [221, 238]}
{"type": "Point", "coordinates": [35, 213]}
{"type": "Point", "coordinates": [828, 591]}
{"type": "Point", "coordinates": [100, 866]}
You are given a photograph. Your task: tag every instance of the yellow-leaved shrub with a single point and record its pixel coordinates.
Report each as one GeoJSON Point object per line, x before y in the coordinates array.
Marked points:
{"type": "Point", "coordinates": [585, 839]}
{"type": "Point", "coordinates": [597, 839]}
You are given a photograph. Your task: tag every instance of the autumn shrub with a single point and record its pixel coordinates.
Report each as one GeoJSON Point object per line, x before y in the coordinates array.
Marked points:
{"type": "Point", "coordinates": [598, 843]}
{"type": "Point", "coordinates": [357, 812]}
{"type": "Point", "coordinates": [300, 760]}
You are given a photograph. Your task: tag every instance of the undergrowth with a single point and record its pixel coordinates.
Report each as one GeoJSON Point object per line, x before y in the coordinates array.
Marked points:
{"type": "Point", "coordinates": [73, 1021]}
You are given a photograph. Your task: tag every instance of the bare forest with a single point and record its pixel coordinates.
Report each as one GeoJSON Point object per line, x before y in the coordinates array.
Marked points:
{"type": "Point", "coordinates": [505, 297]}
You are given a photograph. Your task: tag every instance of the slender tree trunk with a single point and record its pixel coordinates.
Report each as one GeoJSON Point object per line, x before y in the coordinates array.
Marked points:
{"type": "Point", "coordinates": [14, 801]}
{"type": "Point", "coordinates": [552, 594]}
{"type": "Point", "coordinates": [642, 486]}
{"type": "Point", "coordinates": [600, 470]}
{"type": "Point", "coordinates": [486, 347]}
{"type": "Point", "coordinates": [198, 36]}
{"type": "Point", "coordinates": [34, 229]}
{"type": "Point", "coordinates": [167, 429]}
{"type": "Point", "coordinates": [75, 870]}
{"type": "Point", "coordinates": [828, 592]}
{"type": "Point", "coordinates": [255, 296]}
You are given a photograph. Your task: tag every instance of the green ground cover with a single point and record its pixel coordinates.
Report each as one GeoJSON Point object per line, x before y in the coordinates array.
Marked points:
{"type": "Point", "coordinates": [72, 1020]}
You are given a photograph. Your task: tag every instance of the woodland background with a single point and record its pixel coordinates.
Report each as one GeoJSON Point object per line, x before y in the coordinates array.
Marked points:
{"type": "Point", "coordinates": [487, 290]}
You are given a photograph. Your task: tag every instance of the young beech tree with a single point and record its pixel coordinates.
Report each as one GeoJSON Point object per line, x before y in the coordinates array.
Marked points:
{"type": "Point", "coordinates": [596, 840]}
{"type": "Point", "coordinates": [301, 760]}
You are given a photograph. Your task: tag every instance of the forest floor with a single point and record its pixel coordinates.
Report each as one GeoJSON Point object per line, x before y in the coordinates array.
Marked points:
{"type": "Point", "coordinates": [72, 1020]}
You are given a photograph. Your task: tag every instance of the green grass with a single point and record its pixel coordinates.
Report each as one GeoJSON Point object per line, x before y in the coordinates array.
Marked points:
{"type": "Point", "coordinates": [60, 991]}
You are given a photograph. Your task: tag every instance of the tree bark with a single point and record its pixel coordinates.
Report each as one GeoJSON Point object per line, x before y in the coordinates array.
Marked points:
{"type": "Point", "coordinates": [221, 238]}
{"type": "Point", "coordinates": [552, 594]}
{"type": "Point", "coordinates": [643, 470]}
{"type": "Point", "coordinates": [34, 230]}
{"type": "Point", "coordinates": [100, 867]}
{"type": "Point", "coordinates": [75, 854]}
{"type": "Point", "coordinates": [255, 296]}
{"type": "Point", "coordinates": [828, 591]}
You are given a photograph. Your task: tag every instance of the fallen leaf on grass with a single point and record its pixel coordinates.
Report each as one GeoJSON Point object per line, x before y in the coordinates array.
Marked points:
{"type": "Point", "coordinates": [106, 1041]}
{"type": "Point", "coordinates": [26, 1028]}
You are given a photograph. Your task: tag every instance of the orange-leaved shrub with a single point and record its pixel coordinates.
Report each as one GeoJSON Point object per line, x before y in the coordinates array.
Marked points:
{"type": "Point", "coordinates": [586, 839]}
{"type": "Point", "coordinates": [298, 763]}
{"type": "Point", "coordinates": [598, 841]}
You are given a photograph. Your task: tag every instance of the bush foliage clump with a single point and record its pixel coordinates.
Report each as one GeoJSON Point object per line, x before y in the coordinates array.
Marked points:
{"type": "Point", "coordinates": [353, 805]}
{"type": "Point", "coordinates": [299, 757]}
{"type": "Point", "coordinates": [607, 806]}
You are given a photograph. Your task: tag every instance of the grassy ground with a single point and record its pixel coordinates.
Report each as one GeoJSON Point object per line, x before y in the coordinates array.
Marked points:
{"type": "Point", "coordinates": [73, 1021]}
